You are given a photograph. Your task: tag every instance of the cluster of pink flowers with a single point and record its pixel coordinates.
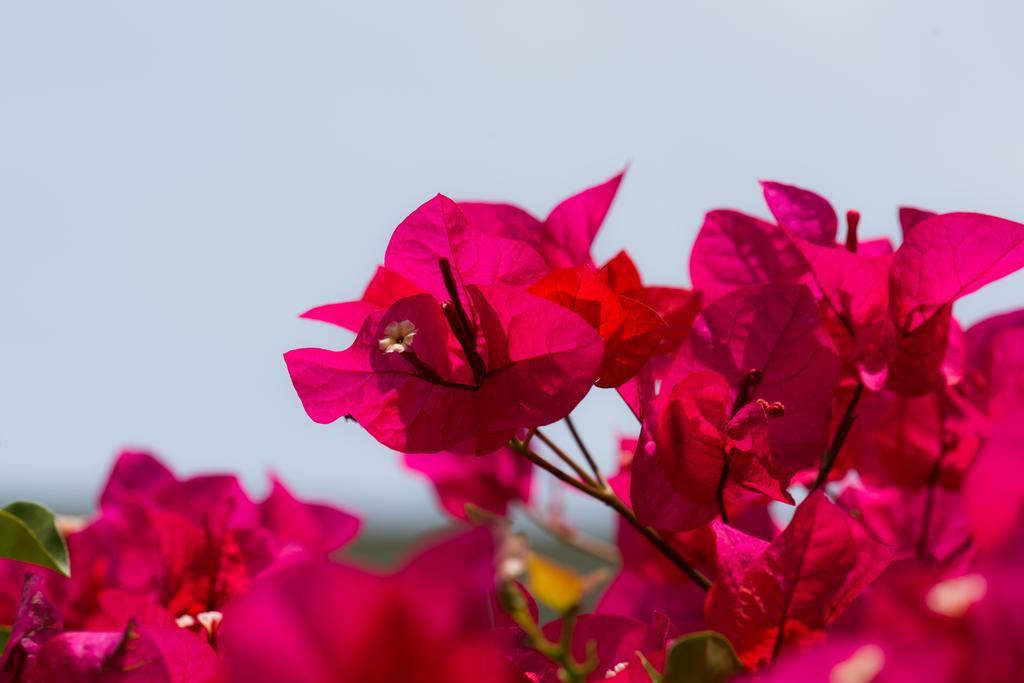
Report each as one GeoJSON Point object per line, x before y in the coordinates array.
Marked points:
{"type": "Point", "coordinates": [826, 482]}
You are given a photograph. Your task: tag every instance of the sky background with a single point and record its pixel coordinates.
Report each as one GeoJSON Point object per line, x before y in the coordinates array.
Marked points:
{"type": "Point", "coordinates": [179, 180]}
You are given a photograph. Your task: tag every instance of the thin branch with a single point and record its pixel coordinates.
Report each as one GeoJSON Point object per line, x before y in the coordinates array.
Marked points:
{"type": "Point", "coordinates": [608, 497]}
{"type": "Point", "coordinates": [720, 491]}
{"type": "Point", "coordinates": [584, 450]}
{"type": "Point", "coordinates": [519, 447]}
{"type": "Point", "coordinates": [566, 458]}
{"type": "Point", "coordinates": [573, 538]}
{"type": "Point", "coordinates": [829, 459]}
{"type": "Point", "coordinates": [613, 501]}
{"type": "Point", "coordinates": [929, 505]}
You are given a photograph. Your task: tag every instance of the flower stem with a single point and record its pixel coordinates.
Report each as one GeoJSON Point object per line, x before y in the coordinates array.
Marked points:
{"type": "Point", "coordinates": [573, 538]}
{"type": "Point", "coordinates": [829, 459]}
{"type": "Point", "coordinates": [564, 457]}
{"type": "Point", "coordinates": [929, 505]}
{"type": "Point", "coordinates": [584, 450]}
{"type": "Point", "coordinates": [608, 497]}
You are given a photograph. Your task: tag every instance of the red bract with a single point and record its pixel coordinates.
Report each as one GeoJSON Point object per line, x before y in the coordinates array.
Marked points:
{"type": "Point", "coordinates": [800, 583]}
{"type": "Point", "coordinates": [528, 363]}
{"type": "Point", "coordinates": [678, 307]}
{"type": "Point", "coordinates": [631, 331]}
{"type": "Point", "coordinates": [322, 623]}
{"type": "Point", "coordinates": [492, 482]}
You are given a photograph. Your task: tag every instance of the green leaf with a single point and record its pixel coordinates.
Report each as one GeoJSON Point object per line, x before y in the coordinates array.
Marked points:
{"type": "Point", "coordinates": [28, 534]}
{"type": "Point", "coordinates": [5, 635]}
{"type": "Point", "coordinates": [702, 657]}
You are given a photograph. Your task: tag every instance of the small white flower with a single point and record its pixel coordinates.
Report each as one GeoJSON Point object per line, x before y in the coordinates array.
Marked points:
{"type": "Point", "coordinates": [210, 620]}
{"type": "Point", "coordinates": [185, 621]}
{"type": "Point", "coordinates": [616, 670]}
{"type": "Point", "coordinates": [398, 337]}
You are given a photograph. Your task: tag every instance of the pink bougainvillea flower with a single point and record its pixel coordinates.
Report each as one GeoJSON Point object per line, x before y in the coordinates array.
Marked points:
{"type": "Point", "coordinates": [564, 238]}
{"type": "Point", "coordinates": [492, 482]}
{"type": "Point", "coordinates": [777, 331]}
{"type": "Point", "coordinates": [40, 651]}
{"type": "Point", "coordinates": [517, 361]}
{"type": "Point", "coordinates": [36, 621]}
{"type": "Point", "coordinates": [139, 477]}
{"type": "Point", "coordinates": [468, 362]}
{"type": "Point", "coordinates": [486, 243]}
{"type": "Point", "coordinates": [185, 547]}
{"type": "Point", "coordinates": [890, 314]}
{"type": "Point", "coordinates": [800, 583]}
{"type": "Point", "coordinates": [631, 331]}
{"type": "Point", "coordinates": [943, 258]}
{"type": "Point", "coordinates": [331, 623]}
{"type": "Point", "coordinates": [710, 452]}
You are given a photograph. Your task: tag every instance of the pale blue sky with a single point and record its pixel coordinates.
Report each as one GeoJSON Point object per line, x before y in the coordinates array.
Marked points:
{"type": "Point", "coordinates": [179, 180]}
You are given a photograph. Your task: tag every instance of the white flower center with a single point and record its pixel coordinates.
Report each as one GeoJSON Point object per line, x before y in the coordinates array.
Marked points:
{"type": "Point", "coordinates": [953, 597]}
{"type": "Point", "coordinates": [210, 620]}
{"type": "Point", "coordinates": [185, 621]}
{"type": "Point", "coordinates": [398, 337]}
{"type": "Point", "coordinates": [616, 670]}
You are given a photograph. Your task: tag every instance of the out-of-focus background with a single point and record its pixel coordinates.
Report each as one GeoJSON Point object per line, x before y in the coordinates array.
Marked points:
{"type": "Point", "coordinates": [178, 181]}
